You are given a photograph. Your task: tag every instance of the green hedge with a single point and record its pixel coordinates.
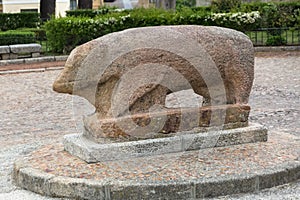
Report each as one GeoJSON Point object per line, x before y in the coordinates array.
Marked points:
{"type": "Point", "coordinates": [16, 37]}
{"type": "Point", "coordinates": [91, 13]}
{"type": "Point", "coordinates": [185, 3]}
{"type": "Point", "coordinates": [274, 14]}
{"type": "Point", "coordinates": [280, 14]}
{"type": "Point", "coordinates": [226, 5]}
{"type": "Point", "coordinates": [65, 33]}
{"type": "Point", "coordinates": [40, 33]}
{"type": "Point", "coordinates": [277, 14]}
{"type": "Point", "coordinates": [12, 21]}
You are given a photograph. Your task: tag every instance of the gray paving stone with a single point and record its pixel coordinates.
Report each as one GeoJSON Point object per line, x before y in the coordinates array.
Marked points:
{"type": "Point", "coordinates": [27, 102]}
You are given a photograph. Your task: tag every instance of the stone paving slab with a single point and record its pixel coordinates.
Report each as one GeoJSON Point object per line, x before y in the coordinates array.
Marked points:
{"type": "Point", "coordinates": [27, 102]}
{"type": "Point", "coordinates": [188, 175]}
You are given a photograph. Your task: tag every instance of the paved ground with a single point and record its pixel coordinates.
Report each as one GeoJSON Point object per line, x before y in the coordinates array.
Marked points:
{"type": "Point", "coordinates": [32, 115]}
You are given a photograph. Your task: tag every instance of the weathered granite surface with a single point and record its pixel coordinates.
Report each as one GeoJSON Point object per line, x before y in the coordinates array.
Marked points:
{"type": "Point", "coordinates": [112, 150]}
{"type": "Point", "coordinates": [162, 123]}
{"type": "Point", "coordinates": [132, 71]}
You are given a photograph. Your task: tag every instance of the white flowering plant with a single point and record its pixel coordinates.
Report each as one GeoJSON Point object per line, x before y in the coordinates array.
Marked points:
{"type": "Point", "coordinates": [240, 21]}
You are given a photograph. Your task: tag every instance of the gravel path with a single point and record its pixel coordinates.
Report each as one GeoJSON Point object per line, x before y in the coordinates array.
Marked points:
{"type": "Point", "coordinates": [32, 115]}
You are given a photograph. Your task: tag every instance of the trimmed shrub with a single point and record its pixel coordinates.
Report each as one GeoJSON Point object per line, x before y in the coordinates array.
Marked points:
{"type": "Point", "coordinates": [275, 40]}
{"type": "Point", "coordinates": [12, 21]}
{"type": "Point", "coordinates": [40, 33]}
{"type": "Point", "coordinates": [297, 17]}
{"type": "Point", "coordinates": [66, 33]}
{"type": "Point", "coordinates": [16, 37]}
{"type": "Point", "coordinates": [225, 5]}
{"type": "Point", "coordinates": [185, 3]}
{"type": "Point", "coordinates": [281, 14]}
{"type": "Point", "coordinates": [92, 13]}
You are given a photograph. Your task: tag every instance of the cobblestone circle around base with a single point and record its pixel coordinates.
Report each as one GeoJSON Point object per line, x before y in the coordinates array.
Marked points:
{"type": "Point", "coordinates": [33, 115]}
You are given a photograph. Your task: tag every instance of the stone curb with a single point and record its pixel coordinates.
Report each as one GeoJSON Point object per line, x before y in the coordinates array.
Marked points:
{"type": "Point", "coordinates": [66, 187]}
{"type": "Point", "coordinates": [277, 49]}
{"type": "Point", "coordinates": [30, 70]}
{"type": "Point", "coordinates": [33, 60]}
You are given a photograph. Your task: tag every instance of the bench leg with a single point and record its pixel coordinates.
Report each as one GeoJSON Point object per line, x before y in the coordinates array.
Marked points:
{"type": "Point", "coordinates": [5, 56]}
{"type": "Point", "coordinates": [13, 56]}
{"type": "Point", "coordinates": [35, 55]}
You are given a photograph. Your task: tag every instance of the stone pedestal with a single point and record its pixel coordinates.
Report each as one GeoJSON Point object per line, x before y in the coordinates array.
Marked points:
{"type": "Point", "coordinates": [168, 131]}
{"type": "Point", "coordinates": [111, 150]}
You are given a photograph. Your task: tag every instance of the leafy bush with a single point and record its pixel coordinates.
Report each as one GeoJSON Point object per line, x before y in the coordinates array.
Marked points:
{"type": "Point", "coordinates": [81, 26]}
{"type": "Point", "coordinates": [40, 33]}
{"type": "Point", "coordinates": [12, 21]}
{"type": "Point", "coordinates": [16, 37]}
{"type": "Point", "coordinates": [92, 13]}
{"type": "Point", "coordinates": [64, 34]}
{"type": "Point", "coordinates": [239, 21]}
{"type": "Point", "coordinates": [276, 40]}
{"type": "Point", "coordinates": [281, 14]}
{"type": "Point", "coordinates": [225, 5]}
{"type": "Point", "coordinates": [202, 9]}
{"type": "Point", "coordinates": [185, 3]}
{"type": "Point", "coordinates": [297, 17]}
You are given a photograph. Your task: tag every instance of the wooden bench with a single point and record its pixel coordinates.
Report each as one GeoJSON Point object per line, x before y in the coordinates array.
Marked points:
{"type": "Point", "coordinates": [20, 51]}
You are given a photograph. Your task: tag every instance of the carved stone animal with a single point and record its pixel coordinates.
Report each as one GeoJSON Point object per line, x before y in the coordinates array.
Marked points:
{"type": "Point", "coordinates": [133, 70]}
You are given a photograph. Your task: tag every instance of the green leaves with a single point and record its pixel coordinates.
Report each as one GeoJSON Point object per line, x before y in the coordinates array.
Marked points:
{"type": "Point", "coordinates": [16, 37]}
{"type": "Point", "coordinates": [12, 21]}
{"type": "Point", "coordinates": [64, 34]}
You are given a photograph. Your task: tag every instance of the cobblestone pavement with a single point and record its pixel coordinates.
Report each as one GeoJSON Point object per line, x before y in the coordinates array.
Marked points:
{"type": "Point", "coordinates": [33, 115]}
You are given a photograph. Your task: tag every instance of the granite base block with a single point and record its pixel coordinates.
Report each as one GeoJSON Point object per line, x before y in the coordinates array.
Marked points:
{"type": "Point", "coordinates": [91, 151]}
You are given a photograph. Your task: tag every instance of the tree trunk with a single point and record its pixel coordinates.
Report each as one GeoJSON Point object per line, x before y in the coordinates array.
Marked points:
{"type": "Point", "coordinates": [166, 4]}
{"type": "Point", "coordinates": [85, 4]}
{"type": "Point", "coordinates": [47, 9]}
